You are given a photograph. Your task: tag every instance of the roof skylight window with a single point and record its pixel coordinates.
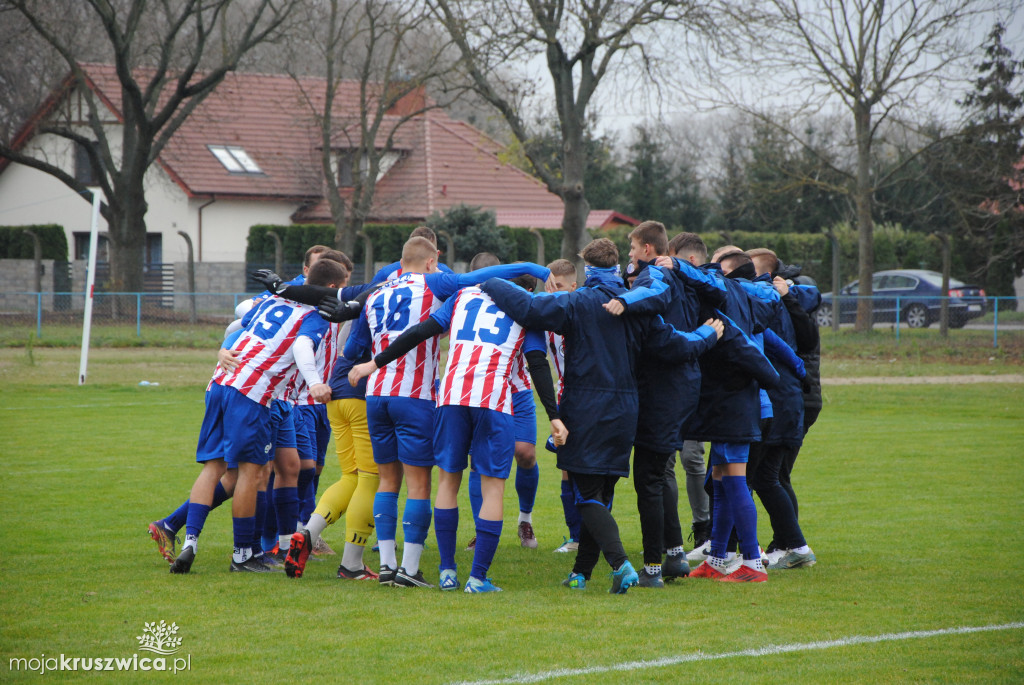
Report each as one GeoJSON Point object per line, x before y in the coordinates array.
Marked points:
{"type": "Point", "coordinates": [235, 159]}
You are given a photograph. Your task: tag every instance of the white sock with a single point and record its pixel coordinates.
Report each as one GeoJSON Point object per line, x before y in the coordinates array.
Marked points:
{"type": "Point", "coordinates": [241, 555]}
{"type": "Point", "coordinates": [718, 563]}
{"type": "Point", "coordinates": [387, 553]}
{"type": "Point", "coordinates": [675, 551]}
{"type": "Point", "coordinates": [801, 550]}
{"type": "Point", "coordinates": [316, 526]}
{"type": "Point", "coordinates": [526, 517]}
{"type": "Point", "coordinates": [193, 542]}
{"type": "Point", "coordinates": [411, 558]}
{"type": "Point", "coordinates": [352, 557]}
{"type": "Point", "coordinates": [754, 564]}
{"type": "Point", "coordinates": [652, 569]}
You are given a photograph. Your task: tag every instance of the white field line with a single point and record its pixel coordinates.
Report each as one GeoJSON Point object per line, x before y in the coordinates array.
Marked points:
{"type": "Point", "coordinates": [762, 651]}
{"type": "Point", "coordinates": [93, 405]}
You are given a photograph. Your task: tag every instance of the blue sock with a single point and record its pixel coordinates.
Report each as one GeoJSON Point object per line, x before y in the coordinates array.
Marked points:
{"type": "Point", "coordinates": [572, 514]}
{"type": "Point", "coordinates": [385, 514]}
{"type": "Point", "coordinates": [487, 535]}
{"type": "Point", "coordinates": [268, 526]}
{"type": "Point", "coordinates": [220, 496]}
{"type": "Point", "coordinates": [526, 487]}
{"type": "Point", "coordinates": [416, 520]}
{"type": "Point", "coordinates": [307, 496]}
{"type": "Point", "coordinates": [176, 520]}
{"type": "Point", "coordinates": [261, 509]}
{"type": "Point", "coordinates": [722, 521]}
{"type": "Point", "coordinates": [446, 525]}
{"type": "Point", "coordinates": [196, 519]}
{"type": "Point", "coordinates": [744, 515]}
{"type": "Point", "coordinates": [243, 531]}
{"type": "Point", "coordinates": [476, 497]}
{"type": "Point", "coordinates": [286, 501]}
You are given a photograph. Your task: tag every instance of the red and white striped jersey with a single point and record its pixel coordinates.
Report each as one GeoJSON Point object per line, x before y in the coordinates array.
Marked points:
{"type": "Point", "coordinates": [325, 355]}
{"type": "Point", "coordinates": [266, 368]}
{"type": "Point", "coordinates": [520, 378]}
{"type": "Point", "coordinates": [556, 346]}
{"type": "Point", "coordinates": [402, 302]}
{"type": "Point", "coordinates": [483, 346]}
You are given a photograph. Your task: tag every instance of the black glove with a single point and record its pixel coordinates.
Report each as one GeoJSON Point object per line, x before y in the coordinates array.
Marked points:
{"type": "Point", "coordinates": [268, 279]}
{"type": "Point", "coordinates": [336, 311]}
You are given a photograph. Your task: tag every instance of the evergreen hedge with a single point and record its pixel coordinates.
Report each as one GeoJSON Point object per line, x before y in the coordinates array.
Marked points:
{"type": "Point", "coordinates": [15, 244]}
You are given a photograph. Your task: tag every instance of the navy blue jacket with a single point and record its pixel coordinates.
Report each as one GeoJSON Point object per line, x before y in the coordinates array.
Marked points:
{"type": "Point", "coordinates": [734, 370]}
{"type": "Point", "coordinates": [787, 426]}
{"type": "Point", "coordinates": [668, 392]}
{"type": "Point", "coordinates": [599, 402]}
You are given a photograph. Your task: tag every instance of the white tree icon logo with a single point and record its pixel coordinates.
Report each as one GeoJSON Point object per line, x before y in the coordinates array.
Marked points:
{"type": "Point", "coordinates": [160, 638]}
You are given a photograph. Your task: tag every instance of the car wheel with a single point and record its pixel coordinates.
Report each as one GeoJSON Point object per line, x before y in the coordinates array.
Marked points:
{"type": "Point", "coordinates": [823, 316]}
{"type": "Point", "coordinates": [916, 316]}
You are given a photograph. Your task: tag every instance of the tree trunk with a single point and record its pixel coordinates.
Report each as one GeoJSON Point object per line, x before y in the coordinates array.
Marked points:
{"type": "Point", "coordinates": [865, 226]}
{"type": "Point", "coordinates": [127, 235]}
{"type": "Point", "coordinates": [576, 208]}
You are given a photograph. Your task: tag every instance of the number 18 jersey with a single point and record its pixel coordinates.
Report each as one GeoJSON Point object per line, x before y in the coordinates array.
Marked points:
{"type": "Point", "coordinates": [403, 302]}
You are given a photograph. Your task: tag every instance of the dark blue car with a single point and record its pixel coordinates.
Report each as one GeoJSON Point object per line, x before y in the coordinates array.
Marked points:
{"type": "Point", "coordinates": [913, 296]}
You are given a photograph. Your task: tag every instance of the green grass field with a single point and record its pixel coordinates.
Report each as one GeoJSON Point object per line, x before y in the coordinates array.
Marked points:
{"type": "Point", "coordinates": [910, 495]}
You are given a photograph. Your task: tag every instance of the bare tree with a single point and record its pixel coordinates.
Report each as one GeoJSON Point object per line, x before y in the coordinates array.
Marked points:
{"type": "Point", "coordinates": [168, 57]}
{"type": "Point", "coordinates": [388, 52]}
{"type": "Point", "coordinates": [879, 61]}
{"type": "Point", "coordinates": [582, 42]}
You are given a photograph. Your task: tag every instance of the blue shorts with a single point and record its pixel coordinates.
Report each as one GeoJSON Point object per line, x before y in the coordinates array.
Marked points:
{"type": "Point", "coordinates": [524, 411]}
{"type": "Point", "coordinates": [728, 453]}
{"type": "Point", "coordinates": [323, 432]}
{"type": "Point", "coordinates": [282, 426]}
{"type": "Point", "coordinates": [401, 428]}
{"type": "Point", "coordinates": [235, 429]}
{"type": "Point", "coordinates": [312, 431]}
{"type": "Point", "coordinates": [486, 434]}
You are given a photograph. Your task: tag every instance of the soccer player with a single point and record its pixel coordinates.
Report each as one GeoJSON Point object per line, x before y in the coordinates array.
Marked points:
{"type": "Point", "coordinates": [729, 410]}
{"type": "Point", "coordinates": [599, 398]}
{"type": "Point", "coordinates": [524, 414]}
{"type": "Point", "coordinates": [668, 398]}
{"type": "Point", "coordinates": [236, 427]}
{"type": "Point", "coordinates": [474, 415]}
{"type": "Point", "coordinates": [563, 279]}
{"type": "Point", "coordinates": [400, 397]}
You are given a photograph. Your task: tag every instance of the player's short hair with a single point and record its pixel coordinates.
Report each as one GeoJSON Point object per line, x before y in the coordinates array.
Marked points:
{"type": "Point", "coordinates": [425, 232]}
{"type": "Point", "coordinates": [734, 260]}
{"type": "Point", "coordinates": [768, 257]}
{"type": "Point", "coordinates": [327, 272]}
{"type": "Point", "coordinates": [651, 233]}
{"type": "Point", "coordinates": [483, 259]}
{"type": "Point", "coordinates": [418, 250]}
{"type": "Point", "coordinates": [724, 250]}
{"type": "Point", "coordinates": [562, 267]}
{"type": "Point", "coordinates": [338, 256]}
{"type": "Point", "coordinates": [526, 282]}
{"type": "Point", "coordinates": [316, 249]}
{"type": "Point", "coordinates": [685, 244]}
{"type": "Point", "coordinates": [600, 252]}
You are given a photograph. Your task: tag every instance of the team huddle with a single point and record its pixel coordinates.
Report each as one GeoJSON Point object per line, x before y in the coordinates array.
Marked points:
{"type": "Point", "coordinates": [691, 352]}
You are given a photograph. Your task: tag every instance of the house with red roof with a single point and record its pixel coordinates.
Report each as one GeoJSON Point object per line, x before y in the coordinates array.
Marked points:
{"type": "Point", "coordinates": [249, 154]}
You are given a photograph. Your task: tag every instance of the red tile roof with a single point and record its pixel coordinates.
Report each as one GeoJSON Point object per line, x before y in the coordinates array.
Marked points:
{"type": "Point", "coordinates": [598, 218]}
{"type": "Point", "coordinates": [444, 162]}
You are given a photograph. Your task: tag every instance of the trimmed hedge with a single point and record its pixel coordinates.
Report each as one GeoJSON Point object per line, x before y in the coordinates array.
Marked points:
{"type": "Point", "coordinates": [15, 244]}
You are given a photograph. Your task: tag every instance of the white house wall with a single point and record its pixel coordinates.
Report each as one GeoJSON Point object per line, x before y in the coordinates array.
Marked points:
{"type": "Point", "coordinates": [29, 196]}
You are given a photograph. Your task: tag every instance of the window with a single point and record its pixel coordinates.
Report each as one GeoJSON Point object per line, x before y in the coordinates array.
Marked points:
{"type": "Point", "coordinates": [83, 169]}
{"type": "Point", "coordinates": [82, 247]}
{"type": "Point", "coordinates": [235, 159]}
{"type": "Point", "coordinates": [347, 167]}
{"type": "Point", "coordinates": [900, 282]}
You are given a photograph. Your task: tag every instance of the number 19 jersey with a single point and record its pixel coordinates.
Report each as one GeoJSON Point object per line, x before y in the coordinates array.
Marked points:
{"type": "Point", "coordinates": [402, 302]}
